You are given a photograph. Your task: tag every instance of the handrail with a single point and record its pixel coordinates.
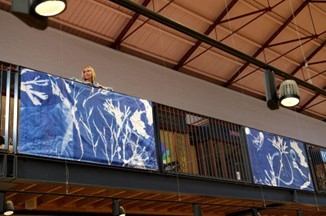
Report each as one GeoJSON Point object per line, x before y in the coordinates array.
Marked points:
{"type": "Point", "coordinates": [188, 143]}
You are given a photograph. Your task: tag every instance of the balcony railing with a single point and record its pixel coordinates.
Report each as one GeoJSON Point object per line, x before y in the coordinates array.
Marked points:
{"type": "Point", "coordinates": [194, 144]}
{"type": "Point", "coordinates": [9, 104]}
{"type": "Point", "coordinates": [189, 144]}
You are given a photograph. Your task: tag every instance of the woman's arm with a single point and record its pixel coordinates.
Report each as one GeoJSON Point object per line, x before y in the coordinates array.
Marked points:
{"type": "Point", "coordinates": [101, 86]}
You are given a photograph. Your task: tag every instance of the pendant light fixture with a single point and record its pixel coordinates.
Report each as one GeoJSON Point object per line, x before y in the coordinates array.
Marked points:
{"type": "Point", "coordinates": [289, 93]}
{"type": "Point", "coordinates": [9, 210]}
{"type": "Point", "coordinates": [117, 210]}
{"type": "Point", "coordinates": [6, 207]}
{"type": "Point", "coordinates": [35, 13]}
{"type": "Point", "coordinates": [49, 7]}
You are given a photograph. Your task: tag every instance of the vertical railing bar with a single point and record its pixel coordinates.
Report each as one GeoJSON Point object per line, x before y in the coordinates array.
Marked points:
{"type": "Point", "coordinates": [177, 136]}
{"type": "Point", "coordinates": [170, 133]}
{"type": "Point", "coordinates": [7, 109]}
{"type": "Point", "coordinates": [243, 141]}
{"type": "Point", "coordinates": [187, 142]}
{"type": "Point", "coordinates": [164, 126]}
{"type": "Point", "coordinates": [185, 139]}
{"type": "Point", "coordinates": [167, 127]}
{"type": "Point", "coordinates": [227, 144]}
{"type": "Point", "coordinates": [219, 146]}
{"type": "Point", "coordinates": [219, 150]}
{"type": "Point", "coordinates": [214, 135]}
{"type": "Point", "coordinates": [207, 144]}
{"type": "Point", "coordinates": [204, 144]}
{"type": "Point", "coordinates": [159, 123]}
{"type": "Point", "coordinates": [324, 169]}
{"type": "Point", "coordinates": [186, 136]}
{"type": "Point", "coordinates": [240, 153]}
{"type": "Point", "coordinates": [244, 172]}
{"type": "Point", "coordinates": [224, 149]}
{"type": "Point", "coordinates": [234, 149]}
{"type": "Point", "coordinates": [15, 110]}
{"type": "Point", "coordinates": [318, 158]}
{"type": "Point", "coordinates": [157, 136]}
{"type": "Point", "coordinates": [314, 161]}
{"type": "Point", "coordinates": [190, 159]}
{"type": "Point", "coordinates": [193, 146]}
{"type": "Point", "coordinates": [174, 128]}
{"type": "Point", "coordinates": [312, 169]}
{"type": "Point", "coordinates": [234, 157]}
{"type": "Point", "coordinates": [199, 148]}
{"type": "Point", "coordinates": [190, 146]}
{"type": "Point", "coordinates": [206, 134]}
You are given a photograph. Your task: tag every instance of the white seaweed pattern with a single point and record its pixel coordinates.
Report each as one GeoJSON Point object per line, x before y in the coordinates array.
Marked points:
{"type": "Point", "coordinates": [123, 125]}
{"type": "Point", "coordinates": [283, 154]}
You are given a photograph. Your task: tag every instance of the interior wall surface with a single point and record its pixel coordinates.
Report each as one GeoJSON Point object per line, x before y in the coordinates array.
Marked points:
{"type": "Point", "coordinates": [59, 53]}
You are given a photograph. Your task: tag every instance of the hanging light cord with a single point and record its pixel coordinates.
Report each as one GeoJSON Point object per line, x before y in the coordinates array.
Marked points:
{"type": "Point", "coordinates": [301, 47]}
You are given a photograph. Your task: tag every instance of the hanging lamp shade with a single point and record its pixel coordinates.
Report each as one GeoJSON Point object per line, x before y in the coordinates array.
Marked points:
{"type": "Point", "coordinates": [289, 93]}
{"type": "Point", "coordinates": [9, 209]}
{"type": "Point", "coordinates": [122, 211]}
{"type": "Point", "coordinates": [49, 7]}
{"type": "Point", "coordinates": [117, 210]}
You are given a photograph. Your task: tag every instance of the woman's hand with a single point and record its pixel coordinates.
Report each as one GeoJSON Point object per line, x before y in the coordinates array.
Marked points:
{"type": "Point", "coordinates": [106, 88]}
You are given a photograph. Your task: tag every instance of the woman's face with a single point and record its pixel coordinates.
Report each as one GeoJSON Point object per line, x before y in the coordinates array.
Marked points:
{"type": "Point", "coordinates": [87, 74]}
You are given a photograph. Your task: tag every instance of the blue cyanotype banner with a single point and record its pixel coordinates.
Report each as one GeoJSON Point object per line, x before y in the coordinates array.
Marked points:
{"type": "Point", "coordinates": [278, 161]}
{"type": "Point", "coordinates": [65, 119]}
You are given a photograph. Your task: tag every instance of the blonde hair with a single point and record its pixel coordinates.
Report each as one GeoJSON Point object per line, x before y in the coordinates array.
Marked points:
{"type": "Point", "coordinates": [92, 71]}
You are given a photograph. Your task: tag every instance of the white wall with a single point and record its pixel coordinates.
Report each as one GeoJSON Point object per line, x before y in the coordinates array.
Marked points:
{"type": "Point", "coordinates": [65, 55]}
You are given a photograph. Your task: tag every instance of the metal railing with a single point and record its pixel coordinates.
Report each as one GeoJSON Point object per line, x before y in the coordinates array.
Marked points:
{"type": "Point", "coordinates": [317, 157]}
{"type": "Point", "coordinates": [9, 85]}
{"type": "Point", "coordinates": [189, 143]}
{"type": "Point", "coordinates": [198, 145]}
